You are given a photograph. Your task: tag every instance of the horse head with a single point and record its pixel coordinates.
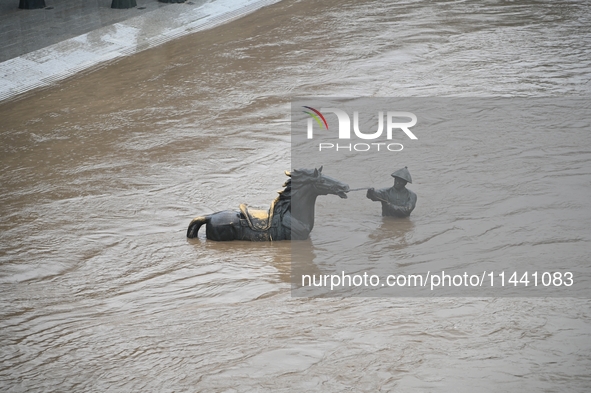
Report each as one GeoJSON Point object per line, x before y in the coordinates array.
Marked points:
{"type": "Point", "coordinates": [322, 184]}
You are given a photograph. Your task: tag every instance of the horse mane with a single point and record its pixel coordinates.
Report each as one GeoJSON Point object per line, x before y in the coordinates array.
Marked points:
{"type": "Point", "coordinates": [283, 201]}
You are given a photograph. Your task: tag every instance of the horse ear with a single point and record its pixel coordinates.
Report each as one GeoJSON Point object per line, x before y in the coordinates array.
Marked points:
{"type": "Point", "coordinates": [288, 173]}
{"type": "Point", "coordinates": [316, 173]}
{"type": "Point", "coordinates": [320, 169]}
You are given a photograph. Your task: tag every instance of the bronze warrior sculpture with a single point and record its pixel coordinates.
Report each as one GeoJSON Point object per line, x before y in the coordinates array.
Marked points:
{"type": "Point", "coordinates": [397, 201]}
{"type": "Point", "coordinates": [286, 219]}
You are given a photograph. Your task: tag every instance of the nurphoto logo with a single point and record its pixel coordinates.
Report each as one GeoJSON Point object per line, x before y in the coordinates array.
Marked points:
{"type": "Point", "coordinates": [393, 123]}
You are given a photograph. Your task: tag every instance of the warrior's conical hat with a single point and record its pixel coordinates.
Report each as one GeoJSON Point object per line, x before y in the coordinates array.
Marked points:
{"type": "Point", "coordinates": [403, 173]}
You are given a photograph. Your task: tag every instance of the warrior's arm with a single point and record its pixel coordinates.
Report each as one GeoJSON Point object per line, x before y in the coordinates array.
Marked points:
{"type": "Point", "coordinates": [377, 195]}
{"type": "Point", "coordinates": [403, 210]}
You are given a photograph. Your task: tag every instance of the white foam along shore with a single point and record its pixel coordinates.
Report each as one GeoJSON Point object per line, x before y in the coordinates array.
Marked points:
{"type": "Point", "coordinates": [49, 65]}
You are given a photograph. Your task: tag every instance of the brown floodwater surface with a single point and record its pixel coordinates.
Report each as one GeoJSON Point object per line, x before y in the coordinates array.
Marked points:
{"type": "Point", "coordinates": [100, 289]}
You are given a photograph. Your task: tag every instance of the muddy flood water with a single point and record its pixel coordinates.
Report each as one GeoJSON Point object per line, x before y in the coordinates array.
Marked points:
{"type": "Point", "coordinates": [100, 290]}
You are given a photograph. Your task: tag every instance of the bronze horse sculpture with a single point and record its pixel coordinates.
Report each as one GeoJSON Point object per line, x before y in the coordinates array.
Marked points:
{"type": "Point", "coordinates": [283, 220]}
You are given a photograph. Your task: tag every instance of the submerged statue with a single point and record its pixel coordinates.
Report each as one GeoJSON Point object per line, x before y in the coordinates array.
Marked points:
{"type": "Point", "coordinates": [283, 220]}
{"type": "Point", "coordinates": [397, 201]}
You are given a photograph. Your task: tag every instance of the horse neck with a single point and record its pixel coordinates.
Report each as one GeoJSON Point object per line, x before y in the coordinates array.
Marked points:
{"type": "Point", "coordinates": [303, 202]}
